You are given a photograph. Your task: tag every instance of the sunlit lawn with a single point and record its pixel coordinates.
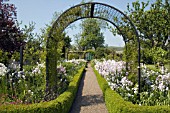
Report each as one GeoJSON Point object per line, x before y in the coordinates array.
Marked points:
{"type": "Point", "coordinates": [151, 66]}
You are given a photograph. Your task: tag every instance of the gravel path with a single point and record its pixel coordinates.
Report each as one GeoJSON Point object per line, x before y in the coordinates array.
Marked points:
{"type": "Point", "coordinates": [89, 97]}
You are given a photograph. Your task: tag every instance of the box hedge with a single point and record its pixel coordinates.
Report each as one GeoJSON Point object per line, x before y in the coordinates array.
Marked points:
{"type": "Point", "coordinates": [62, 104]}
{"type": "Point", "coordinates": [116, 104]}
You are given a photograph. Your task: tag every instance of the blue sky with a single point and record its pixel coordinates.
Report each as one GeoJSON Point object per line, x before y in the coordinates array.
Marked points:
{"type": "Point", "coordinates": [41, 12]}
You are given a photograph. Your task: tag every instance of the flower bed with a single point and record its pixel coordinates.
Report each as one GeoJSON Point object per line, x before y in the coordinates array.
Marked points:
{"type": "Point", "coordinates": [28, 86]}
{"type": "Point", "coordinates": [25, 86]}
{"type": "Point", "coordinates": [155, 85]}
{"type": "Point", "coordinates": [116, 104]}
{"type": "Point", "coordinates": [62, 104]}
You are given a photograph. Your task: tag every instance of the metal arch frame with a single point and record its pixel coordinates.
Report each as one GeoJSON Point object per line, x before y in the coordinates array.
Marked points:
{"type": "Point", "coordinates": [54, 24]}
{"type": "Point", "coordinates": [91, 14]}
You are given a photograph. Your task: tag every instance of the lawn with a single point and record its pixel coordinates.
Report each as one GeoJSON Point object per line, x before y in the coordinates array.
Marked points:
{"type": "Point", "coordinates": [151, 66]}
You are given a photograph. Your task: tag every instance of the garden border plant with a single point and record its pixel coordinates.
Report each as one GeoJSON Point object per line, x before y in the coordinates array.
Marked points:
{"type": "Point", "coordinates": [62, 104]}
{"type": "Point", "coordinates": [116, 104]}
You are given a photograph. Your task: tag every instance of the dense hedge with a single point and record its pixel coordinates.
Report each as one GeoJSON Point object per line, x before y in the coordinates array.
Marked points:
{"type": "Point", "coordinates": [102, 82]}
{"type": "Point", "coordinates": [116, 104]}
{"type": "Point", "coordinates": [60, 105]}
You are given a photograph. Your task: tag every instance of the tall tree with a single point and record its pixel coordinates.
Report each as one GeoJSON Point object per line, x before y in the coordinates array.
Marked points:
{"type": "Point", "coordinates": [153, 24]}
{"type": "Point", "coordinates": [33, 48]}
{"type": "Point", "coordinates": [91, 36]}
{"type": "Point", "coordinates": [10, 33]}
{"type": "Point", "coordinates": [66, 44]}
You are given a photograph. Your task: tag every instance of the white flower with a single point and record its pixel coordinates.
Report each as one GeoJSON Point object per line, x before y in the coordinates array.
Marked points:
{"type": "Point", "coordinates": [127, 88]}
{"type": "Point", "coordinates": [127, 73]}
{"type": "Point", "coordinates": [113, 78]}
{"type": "Point", "coordinates": [167, 88]}
{"type": "Point", "coordinates": [136, 92]}
{"type": "Point", "coordinates": [23, 76]}
{"type": "Point", "coordinates": [152, 94]}
{"type": "Point", "coordinates": [146, 93]}
{"type": "Point", "coordinates": [113, 86]}
{"type": "Point", "coordinates": [20, 73]}
{"type": "Point", "coordinates": [153, 87]}
{"type": "Point", "coordinates": [107, 79]}
{"type": "Point", "coordinates": [161, 86]}
{"type": "Point", "coordinates": [36, 70]}
{"type": "Point", "coordinates": [3, 69]}
{"type": "Point", "coordinates": [129, 95]}
{"type": "Point", "coordinates": [29, 91]}
{"type": "Point", "coordinates": [32, 93]}
{"type": "Point", "coordinates": [109, 83]}
{"type": "Point", "coordinates": [19, 81]}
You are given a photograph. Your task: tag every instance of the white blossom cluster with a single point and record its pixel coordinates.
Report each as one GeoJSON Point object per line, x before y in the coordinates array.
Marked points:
{"type": "Point", "coordinates": [109, 67]}
{"type": "Point", "coordinates": [112, 70]}
{"type": "Point", "coordinates": [3, 69]}
{"type": "Point", "coordinates": [155, 85]}
{"type": "Point", "coordinates": [37, 69]}
{"type": "Point", "coordinates": [161, 80]}
{"type": "Point", "coordinates": [17, 77]}
{"type": "Point", "coordinates": [76, 61]}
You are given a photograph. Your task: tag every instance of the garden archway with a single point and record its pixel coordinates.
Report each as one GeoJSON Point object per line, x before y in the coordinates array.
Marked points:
{"type": "Point", "coordinates": [77, 12]}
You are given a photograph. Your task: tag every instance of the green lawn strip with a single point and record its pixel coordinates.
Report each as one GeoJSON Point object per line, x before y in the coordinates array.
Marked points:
{"type": "Point", "coordinates": [62, 104]}
{"type": "Point", "coordinates": [152, 67]}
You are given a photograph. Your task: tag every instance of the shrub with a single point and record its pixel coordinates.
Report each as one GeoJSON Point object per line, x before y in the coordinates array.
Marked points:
{"type": "Point", "coordinates": [73, 56]}
{"type": "Point", "coordinates": [101, 81]}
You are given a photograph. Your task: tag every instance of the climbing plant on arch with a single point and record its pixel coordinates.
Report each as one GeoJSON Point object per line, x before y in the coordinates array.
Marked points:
{"type": "Point", "coordinates": [81, 11]}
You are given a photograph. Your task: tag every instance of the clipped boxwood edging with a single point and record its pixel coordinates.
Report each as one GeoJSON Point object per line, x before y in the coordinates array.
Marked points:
{"type": "Point", "coordinates": [62, 104]}
{"type": "Point", "coordinates": [101, 81]}
{"type": "Point", "coordinates": [116, 104]}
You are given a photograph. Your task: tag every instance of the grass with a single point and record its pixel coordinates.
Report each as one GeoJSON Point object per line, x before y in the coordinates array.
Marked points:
{"type": "Point", "coordinates": [151, 66]}
{"type": "Point", "coordinates": [168, 67]}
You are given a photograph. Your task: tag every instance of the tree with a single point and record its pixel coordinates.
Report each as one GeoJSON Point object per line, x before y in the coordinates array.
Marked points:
{"type": "Point", "coordinates": [10, 33]}
{"type": "Point", "coordinates": [91, 36]}
{"type": "Point", "coordinates": [33, 48]}
{"type": "Point", "coordinates": [155, 55]}
{"type": "Point", "coordinates": [66, 44]}
{"type": "Point", "coordinates": [153, 24]}
{"type": "Point", "coordinates": [100, 53]}
{"type": "Point", "coordinates": [77, 42]}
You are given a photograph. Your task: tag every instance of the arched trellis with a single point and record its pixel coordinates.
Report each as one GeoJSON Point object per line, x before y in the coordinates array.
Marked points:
{"type": "Point", "coordinates": [81, 11]}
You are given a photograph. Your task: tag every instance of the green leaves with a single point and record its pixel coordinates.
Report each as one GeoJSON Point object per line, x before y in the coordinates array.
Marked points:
{"type": "Point", "coordinates": [155, 55]}
{"type": "Point", "coordinates": [91, 36]}
{"type": "Point", "coordinates": [152, 23]}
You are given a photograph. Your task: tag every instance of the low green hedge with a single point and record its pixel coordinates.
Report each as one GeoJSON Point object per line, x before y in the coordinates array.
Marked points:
{"type": "Point", "coordinates": [62, 104]}
{"type": "Point", "coordinates": [116, 104]}
{"type": "Point", "coordinates": [101, 81]}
